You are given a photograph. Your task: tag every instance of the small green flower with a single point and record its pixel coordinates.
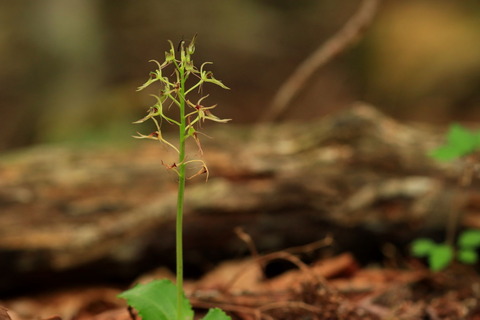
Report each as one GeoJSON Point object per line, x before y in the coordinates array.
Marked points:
{"type": "Point", "coordinates": [207, 76]}
{"type": "Point", "coordinates": [204, 113]}
{"type": "Point", "coordinates": [152, 112]}
{"type": "Point", "coordinates": [154, 76]}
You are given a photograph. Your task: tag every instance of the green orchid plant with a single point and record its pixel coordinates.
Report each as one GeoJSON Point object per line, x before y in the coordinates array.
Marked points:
{"type": "Point", "coordinates": [161, 299]}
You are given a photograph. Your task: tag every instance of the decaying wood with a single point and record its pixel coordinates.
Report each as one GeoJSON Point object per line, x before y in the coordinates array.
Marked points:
{"type": "Point", "coordinates": [358, 175]}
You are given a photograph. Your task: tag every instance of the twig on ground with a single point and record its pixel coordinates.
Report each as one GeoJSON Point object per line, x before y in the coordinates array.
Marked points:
{"type": "Point", "coordinates": [310, 247]}
{"type": "Point", "coordinates": [287, 254]}
{"type": "Point", "coordinates": [296, 261]}
{"type": "Point", "coordinates": [245, 237]}
{"type": "Point", "coordinates": [290, 305]}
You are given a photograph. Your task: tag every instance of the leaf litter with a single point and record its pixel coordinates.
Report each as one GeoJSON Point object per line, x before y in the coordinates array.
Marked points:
{"type": "Point", "coordinates": [331, 288]}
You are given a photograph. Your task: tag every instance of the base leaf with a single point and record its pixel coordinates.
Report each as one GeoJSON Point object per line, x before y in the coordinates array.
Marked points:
{"type": "Point", "coordinates": [157, 300]}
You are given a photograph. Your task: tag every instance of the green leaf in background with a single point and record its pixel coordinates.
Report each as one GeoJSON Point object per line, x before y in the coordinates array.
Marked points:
{"type": "Point", "coordinates": [467, 256]}
{"type": "Point", "coordinates": [469, 239]}
{"type": "Point", "coordinates": [422, 247]}
{"type": "Point", "coordinates": [445, 153]}
{"type": "Point", "coordinates": [440, 257]}
{"type": "Point", "coordinates": [460, 142]}
{"type": "Point", "coordinates": [156, 300]}
{"type": "Point", "coordinates": [216, 314]}
{"type": "Point", "coordinates": [464, 140]}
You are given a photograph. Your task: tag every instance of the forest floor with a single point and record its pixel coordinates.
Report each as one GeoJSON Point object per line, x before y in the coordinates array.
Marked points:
{"type": "Point", "coordinates": [332, 288]}
{"type": "Point", "coordinates": [343, 175]}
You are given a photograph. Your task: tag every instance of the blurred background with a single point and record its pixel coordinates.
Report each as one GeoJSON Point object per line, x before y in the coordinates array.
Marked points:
{"type": "Point", "coordinates": [70, 68]}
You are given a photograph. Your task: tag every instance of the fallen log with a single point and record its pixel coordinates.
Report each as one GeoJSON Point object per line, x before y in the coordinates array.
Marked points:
{"type": "Point", "coordinates": [358, 175]}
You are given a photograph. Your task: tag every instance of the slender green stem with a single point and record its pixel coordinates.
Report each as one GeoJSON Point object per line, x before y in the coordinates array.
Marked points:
{"type": "Point", "coordinates": [181, 192]}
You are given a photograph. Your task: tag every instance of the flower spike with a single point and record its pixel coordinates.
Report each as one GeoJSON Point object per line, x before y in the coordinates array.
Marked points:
{"type": "Point", "coordinates": [172, 76]}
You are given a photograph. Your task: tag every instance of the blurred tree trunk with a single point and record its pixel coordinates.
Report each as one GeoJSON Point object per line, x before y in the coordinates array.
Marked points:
{"type": "Point", "coordinates": [69, 35]}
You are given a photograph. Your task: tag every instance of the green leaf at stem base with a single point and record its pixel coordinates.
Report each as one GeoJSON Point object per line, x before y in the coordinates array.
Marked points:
{"type": "Point", "coordinates": [157, 300]}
